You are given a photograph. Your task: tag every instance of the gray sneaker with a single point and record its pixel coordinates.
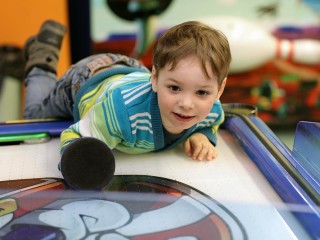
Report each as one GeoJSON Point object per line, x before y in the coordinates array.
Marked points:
{"type": "Point", "coordinates": [43, 49]}
{"type": "Point", "coordinates": [51, 33]}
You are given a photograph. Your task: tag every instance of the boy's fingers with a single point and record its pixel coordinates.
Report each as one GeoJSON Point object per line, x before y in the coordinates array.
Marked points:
{"type": "Point", "coordinates": [199, 151]}
{"type": "Point", "coordinates": [196, 152]}
{"type": "Point", "coordinates": [187, 147]}
{"type": "Point", "coordinates": [212, 154]}
{"type": "Point", "coordinates": [203, 154]}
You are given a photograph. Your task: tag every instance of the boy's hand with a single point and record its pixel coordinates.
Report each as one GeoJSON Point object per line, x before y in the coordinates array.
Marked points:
{"type": "Point", "coordinates": [198, 147]}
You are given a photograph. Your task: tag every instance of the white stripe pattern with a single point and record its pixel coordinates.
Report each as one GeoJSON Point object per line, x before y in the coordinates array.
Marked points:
{"type": "Point", "coordinates": [141, 121]}
{"type": "Point", "coordinates": [132, 95]}
{"type": "Point", "coordinates": [133, 91]}
{"type": "Point", "coordinates": [209, 121]}
{"type": "Point", "coordinates": [109, 87]}
{"type": "Point", "coordinates": [214, 115]}
{"type": "Point", "coordinates": [129, 90]}
{"type": "Point", "coordinates": [134, 124]}
{"type": "Point", "coordinates": [144, 114]}
{"type": "Point", "coordinates": [144, 128]}
{"type": "Point", "coordinates": [136, 96]}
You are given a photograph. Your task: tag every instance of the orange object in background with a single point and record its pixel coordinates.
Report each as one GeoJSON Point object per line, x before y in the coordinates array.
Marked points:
{"type": "Point", "coordinates": [21, 19]}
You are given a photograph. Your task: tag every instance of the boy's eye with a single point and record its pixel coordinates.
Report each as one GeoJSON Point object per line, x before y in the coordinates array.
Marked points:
{"type": "Point", "coordinates": [202, 93]}
{"type": "Point", "coordinates": [174, 88]}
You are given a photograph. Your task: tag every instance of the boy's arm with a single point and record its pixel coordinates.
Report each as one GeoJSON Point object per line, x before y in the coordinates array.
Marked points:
{"type": "Point", "coordinates": [68, 136]}
{"type": "Point", "coordinates": [87, 127]}
{"type": "Point", "coordinates": [201, 144]}
{"type": "Point", "coordinates": [199, 147]}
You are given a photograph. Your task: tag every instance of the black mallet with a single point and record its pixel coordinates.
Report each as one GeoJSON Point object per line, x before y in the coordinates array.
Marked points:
{"type": "Point", "coordinates": [87, 164]}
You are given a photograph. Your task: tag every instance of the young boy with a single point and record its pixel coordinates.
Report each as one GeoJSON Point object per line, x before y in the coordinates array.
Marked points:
{"type": "Point", "coordinates": [117, 103]}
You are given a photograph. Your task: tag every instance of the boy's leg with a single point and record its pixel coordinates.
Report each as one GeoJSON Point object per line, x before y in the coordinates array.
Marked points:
{"type": "Point", "coordinates": [45, 96]}
{"type": "Point", "coordinates": [86, 68]}
{"type": "Point", "coordinates": [42, 55]}
{"type": "Point", "coordinates": [39, 83]}
{"type": "Point", "coordinates": [48, 98]}
{"type": "Point", "coordinates": [43, 50]}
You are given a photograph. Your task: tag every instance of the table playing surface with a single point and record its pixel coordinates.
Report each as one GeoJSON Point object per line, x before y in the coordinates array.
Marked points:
{"type": "Point", "coordinates": [163, 195]}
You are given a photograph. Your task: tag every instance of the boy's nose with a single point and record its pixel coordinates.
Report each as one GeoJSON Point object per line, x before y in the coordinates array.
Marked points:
{"type": "Point", "coordinates": [186, 102]}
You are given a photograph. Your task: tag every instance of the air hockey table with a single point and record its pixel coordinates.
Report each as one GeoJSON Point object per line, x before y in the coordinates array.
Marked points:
{"type": "Point", "coordinates": [257, 188]}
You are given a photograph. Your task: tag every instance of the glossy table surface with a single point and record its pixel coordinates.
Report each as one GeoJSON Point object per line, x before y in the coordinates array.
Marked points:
{"type": "Point", "coordinates": [233, 180]}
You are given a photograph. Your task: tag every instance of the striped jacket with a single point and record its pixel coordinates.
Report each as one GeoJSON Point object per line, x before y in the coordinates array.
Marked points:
{"type": "Point", "coordinates": [119, 107]}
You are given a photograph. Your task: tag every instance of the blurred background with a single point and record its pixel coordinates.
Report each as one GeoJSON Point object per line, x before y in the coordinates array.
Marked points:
{"type": "Point", "coordinates": [275, 46]}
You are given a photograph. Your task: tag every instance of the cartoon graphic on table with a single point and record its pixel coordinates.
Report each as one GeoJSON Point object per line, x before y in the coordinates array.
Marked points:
{"type": "Point", "coordinates": [163, 209]}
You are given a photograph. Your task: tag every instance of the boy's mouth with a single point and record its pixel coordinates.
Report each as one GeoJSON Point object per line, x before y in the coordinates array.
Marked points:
{"type": "Point", "coordinates": [183, 118]}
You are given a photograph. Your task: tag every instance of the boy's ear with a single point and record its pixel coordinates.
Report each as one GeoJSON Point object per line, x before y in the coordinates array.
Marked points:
{"type": "Point", "coordinates": [221, 88]}
{"type": "Point", "coordinates": [154, 79]}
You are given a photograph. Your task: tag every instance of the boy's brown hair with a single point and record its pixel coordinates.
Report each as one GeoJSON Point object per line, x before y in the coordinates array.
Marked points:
{"type": "Point", "coordinates": [193, 38]}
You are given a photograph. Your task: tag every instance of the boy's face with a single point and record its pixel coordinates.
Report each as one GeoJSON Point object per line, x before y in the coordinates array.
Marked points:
{"type": "Point", "coordinates": [185, 94]}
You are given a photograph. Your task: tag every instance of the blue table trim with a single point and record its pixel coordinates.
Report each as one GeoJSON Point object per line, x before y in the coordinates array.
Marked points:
{"type": "Point", "coordinates": [290, 155]}
{"type": "Point", "coordinates": [53, 128]}
{"type": "Point", "coordinates": [283, 183]}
